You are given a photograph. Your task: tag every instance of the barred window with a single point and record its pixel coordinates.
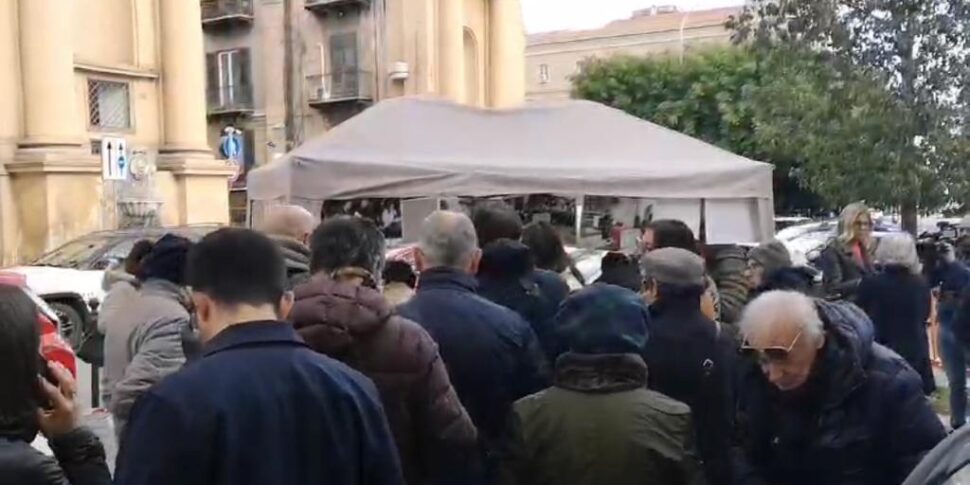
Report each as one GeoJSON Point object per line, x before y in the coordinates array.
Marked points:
{"type": "Point", "coordinates": [109, 105]}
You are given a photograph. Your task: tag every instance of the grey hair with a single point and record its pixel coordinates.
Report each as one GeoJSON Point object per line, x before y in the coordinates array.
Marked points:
{"type": "Point", "coordinates": [780, 306]}
{"type": "Point", "coordinates": [288, 220]}
{"type": "Point", "coordinates": [448, 239]}
{"type": "Point", "coordinates": [898, 250]}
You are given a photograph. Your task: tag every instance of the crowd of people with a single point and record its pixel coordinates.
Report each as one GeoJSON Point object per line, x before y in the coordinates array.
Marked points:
{"type": "Point", "coordinates": [298, 355]}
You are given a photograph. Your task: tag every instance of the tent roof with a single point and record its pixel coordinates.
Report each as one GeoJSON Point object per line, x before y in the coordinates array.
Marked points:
{"type": "Point", "coordinates": [419, 146]}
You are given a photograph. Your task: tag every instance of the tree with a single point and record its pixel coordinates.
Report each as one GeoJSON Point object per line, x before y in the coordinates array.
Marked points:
{"type": "Point", "coordinates": [785, 107]}
{"type": "Point", "coordinates": [919, 50]}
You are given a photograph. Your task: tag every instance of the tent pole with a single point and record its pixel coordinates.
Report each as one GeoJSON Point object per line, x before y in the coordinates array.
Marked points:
{"type": "Point", "coordinates": [579, 220]}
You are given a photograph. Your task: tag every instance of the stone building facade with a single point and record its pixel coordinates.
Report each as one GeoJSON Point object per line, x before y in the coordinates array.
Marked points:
{"type": "Point", "coordinates": [73, 72]}
{"type": "Point", "coordinates": [285, 71]}
{"type": "Point", "coordinates": [553, 57]}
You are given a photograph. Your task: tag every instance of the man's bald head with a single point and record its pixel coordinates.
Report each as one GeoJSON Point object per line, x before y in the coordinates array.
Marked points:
{"type": "Point", "coordinates": [448, 239]}
{"type": "Point", "coordinates": [290, 221]}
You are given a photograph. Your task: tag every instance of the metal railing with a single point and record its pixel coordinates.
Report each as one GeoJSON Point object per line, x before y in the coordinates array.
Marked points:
{"type": "Point", "coordinates": [324, 4]}
{"type": "Point", "coordinates": [224, 9]}
{"type": "Point", "coordinates": [349, 85]}
{"type": "Point", "coordinates": [230, 99]}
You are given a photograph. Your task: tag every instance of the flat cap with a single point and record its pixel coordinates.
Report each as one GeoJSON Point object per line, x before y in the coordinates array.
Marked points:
{"type": "Point", "coordinates": [673, 266]}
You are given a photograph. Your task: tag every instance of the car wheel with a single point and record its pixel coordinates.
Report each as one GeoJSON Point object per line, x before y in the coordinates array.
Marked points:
{"type": "Point", "coordinates": [71, 324]}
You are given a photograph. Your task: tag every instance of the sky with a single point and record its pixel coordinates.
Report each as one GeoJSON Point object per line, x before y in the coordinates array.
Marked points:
{"type": "Point", "coordinates": [547, 15]}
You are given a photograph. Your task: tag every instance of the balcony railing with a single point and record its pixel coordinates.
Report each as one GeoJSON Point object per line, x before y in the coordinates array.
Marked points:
{"type": "Point", "coordinates": [234, 99]}
{"type": "Point", "coordinates": [327, 6]}
{"type": "Point", "coordinates": [340, 87]}
{"type": "Point", "coordinates": [223, 12]}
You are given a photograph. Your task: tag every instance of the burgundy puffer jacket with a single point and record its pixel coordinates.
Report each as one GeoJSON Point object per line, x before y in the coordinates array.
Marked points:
{"type": "Point", "coordinates": [354, 324]}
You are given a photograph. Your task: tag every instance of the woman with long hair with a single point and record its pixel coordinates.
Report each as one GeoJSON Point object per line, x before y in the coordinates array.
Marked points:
{"type": "Point", "coordinates": [39, 396]}
{"type": "Point", "coordinates": [848, 258]}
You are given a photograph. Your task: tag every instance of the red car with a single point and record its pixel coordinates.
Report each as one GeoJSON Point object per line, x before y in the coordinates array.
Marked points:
{"type": "Point", "coordinates": [52, 346]}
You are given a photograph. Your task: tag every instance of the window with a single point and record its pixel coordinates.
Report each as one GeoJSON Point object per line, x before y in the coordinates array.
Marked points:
{"type": "Point", "coordinates": [228, 78]}
{"type": "Point", "coordinates": [343, 62]}
{"type": "Point", "coordinates": [108, 105]}
{"type": "Point", "coordinates": [543, 73]}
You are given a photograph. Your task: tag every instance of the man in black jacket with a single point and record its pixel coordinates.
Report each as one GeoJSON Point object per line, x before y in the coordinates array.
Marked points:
{"type": "Point", "coordinates": [492, 354]}
{"type": "Point", "coordinates": [820, 402]}
{"type": "Point", "coordinates": [258, 406]}
{"type": "Point", "coordinates": [689, 358]}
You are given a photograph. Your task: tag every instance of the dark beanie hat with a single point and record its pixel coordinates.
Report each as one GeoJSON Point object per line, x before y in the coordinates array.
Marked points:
{"type": "Point", "coordinates": [620, 270]}
{"type": "Point", "coordinates": [167, 259]}
{"type": "Point", "coordinates": [772, 256]}
{"type": "Point", "coordinates": [603, 319]}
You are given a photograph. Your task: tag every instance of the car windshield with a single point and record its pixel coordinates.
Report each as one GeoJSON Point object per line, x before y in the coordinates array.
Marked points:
{"type": "Point", "coordinates": [74, 253]}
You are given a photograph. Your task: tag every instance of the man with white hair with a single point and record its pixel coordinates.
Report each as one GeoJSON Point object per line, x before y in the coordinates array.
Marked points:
{"type": "Point", "coordinates": [820, 402]}
{"type": "Point", "coordinates": [492, 354]}
{"type": "Point", "coordinates": [290, 227]}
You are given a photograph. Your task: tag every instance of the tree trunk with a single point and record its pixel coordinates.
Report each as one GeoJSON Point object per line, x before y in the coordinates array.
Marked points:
{"type": "Point", "coordinates": [910, 217]}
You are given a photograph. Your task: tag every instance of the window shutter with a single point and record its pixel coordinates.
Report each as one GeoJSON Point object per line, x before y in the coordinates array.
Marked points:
{"type": "Point", "coordinates": [211, 71]}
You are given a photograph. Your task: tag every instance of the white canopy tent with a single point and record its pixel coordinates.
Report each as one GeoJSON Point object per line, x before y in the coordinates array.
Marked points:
{"type": "Point", "coordinates": [425, 147]}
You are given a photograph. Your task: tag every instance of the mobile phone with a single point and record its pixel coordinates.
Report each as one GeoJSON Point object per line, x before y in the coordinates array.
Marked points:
{"type": "Point", "coordinates": [45, 372]}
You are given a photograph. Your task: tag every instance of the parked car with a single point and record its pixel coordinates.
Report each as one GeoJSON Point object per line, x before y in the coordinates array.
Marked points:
{"type": "Point", "coordinates": [69, 277]}
{"type": "Point", "coordinates": [52, 345]}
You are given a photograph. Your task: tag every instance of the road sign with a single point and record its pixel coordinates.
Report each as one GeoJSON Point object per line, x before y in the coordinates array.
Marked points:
{"type": "Point", "coordinates": [114, 158]}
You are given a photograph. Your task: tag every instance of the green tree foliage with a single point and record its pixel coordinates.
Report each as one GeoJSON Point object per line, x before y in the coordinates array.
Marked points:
{"type": "Point", "coordinates": [919, 52]}
{"type": "Point", "coordinates": [786, 108]}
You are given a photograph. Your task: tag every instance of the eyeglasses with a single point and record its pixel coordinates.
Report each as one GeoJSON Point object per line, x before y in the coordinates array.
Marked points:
{"type": "Point", "coordinates": [772, 354]}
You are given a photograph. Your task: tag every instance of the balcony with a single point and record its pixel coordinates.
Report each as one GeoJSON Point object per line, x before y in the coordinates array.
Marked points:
{"type": "Point", "coordinates": [225, 13]}
{"type": "Point", "coordinates": [230, 100]}
{"type": "Point", "coordinates": [334, 6]}
{"type": "Point", "coordinates": [340, 87]}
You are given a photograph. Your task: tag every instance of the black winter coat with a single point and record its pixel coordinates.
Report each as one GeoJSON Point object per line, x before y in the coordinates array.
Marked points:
{"type": "Point", "coordinates": [508, 278]}
{"type": "Point", "coordinates": [841, 274]}
{"type": "Point", "coordinates": [862, 418]}
{"type": "Point", "coordinates": [492, 354]}
{"type": "Point", "coordinates": [898, 303]}
{"type": "Point", "coordinates": [78, 460]}
{"type": "Point", "coordinates": [691, 361]}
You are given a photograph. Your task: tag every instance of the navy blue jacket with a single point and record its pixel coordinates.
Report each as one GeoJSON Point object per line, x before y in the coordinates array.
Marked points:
{"type": "Point", "coordinates": [508, 277]}
{"type": "Point", "coordinates": [259, 407]}
{"type": "Point", "coordinates": [491, 353]}
{"type": "Point", "coordinates": [861, 419]}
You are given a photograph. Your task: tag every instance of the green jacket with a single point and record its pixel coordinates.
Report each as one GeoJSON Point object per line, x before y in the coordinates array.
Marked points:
{"type": "Point", "coordinates": [599, 425]}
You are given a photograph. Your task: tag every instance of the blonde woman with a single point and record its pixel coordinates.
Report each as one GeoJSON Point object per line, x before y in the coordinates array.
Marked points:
{"type": "Point", "coordinates": [898, 300]}
{"type": "Point", "coordinates": [848, 258]}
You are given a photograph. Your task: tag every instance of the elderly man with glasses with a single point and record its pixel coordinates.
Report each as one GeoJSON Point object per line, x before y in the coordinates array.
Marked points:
{"type": "Point", "coordinates": [820, 402]}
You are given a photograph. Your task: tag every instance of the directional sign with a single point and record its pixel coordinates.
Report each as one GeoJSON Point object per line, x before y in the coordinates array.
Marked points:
{"type": "Point", "coordinates": [114, 158]}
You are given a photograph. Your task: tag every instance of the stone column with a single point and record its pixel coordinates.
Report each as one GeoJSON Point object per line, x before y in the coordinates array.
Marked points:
{"type": "Point", "coordinates": [55, 181]}
{"type": "Point", "coordinates": [47, 65]}
{"type": "Point", "coordinates": [198, 190]}
{"type": "Point", "coordinates": [183, 78]}
{"type": "Point", "coordinates": [11, 128]}
{"type": "Point", "coordinates": [451, 37]}
{"type": "Point", "coordinates": [506, 54]}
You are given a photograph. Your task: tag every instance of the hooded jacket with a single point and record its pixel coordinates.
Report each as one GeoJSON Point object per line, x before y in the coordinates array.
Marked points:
{"type": "Point", "coordinates": [354, 324]}
{"type": "Point", "coordinates": [296, 255]}
{"type": "Point", "coordinates": [507, 276]}
{"type": "Point", "coordinates": [599, 424]}
{"type": "Point", "coordinates": [861, 419]}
